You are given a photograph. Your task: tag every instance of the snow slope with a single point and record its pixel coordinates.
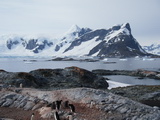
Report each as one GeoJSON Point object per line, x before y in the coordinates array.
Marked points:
{"type": "Point", "coordinates": [84, 48]}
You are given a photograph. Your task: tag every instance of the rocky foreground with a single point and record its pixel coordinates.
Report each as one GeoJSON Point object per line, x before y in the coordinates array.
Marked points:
{"type": "Point", "coordinates": [22, 94]}
{"type": "Point", "coordinates": [90, 104]}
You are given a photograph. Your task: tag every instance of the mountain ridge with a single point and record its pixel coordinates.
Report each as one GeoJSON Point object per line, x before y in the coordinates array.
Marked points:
{"type": "Point", "coordinates": [116, 41]}
{"type": "Point", "coordinates": [153, 48]}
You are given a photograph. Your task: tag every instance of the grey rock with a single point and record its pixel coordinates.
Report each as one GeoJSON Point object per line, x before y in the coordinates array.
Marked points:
{"type": "Point", "coordinates": [7, 103]}
{"type": "Point", "coordinates": [156, 108]}
{"type": "Point", "coordinates": [23, 102]}
{"type": "Point", "coordinates": [37, 106]}
{"type": "Point", "coordinates": [17, 101]}
{"type": "Point", "coordinates": [151, 96]}
{"type": "Point", "coordinates": [9, 96]}
{"type": "Point", "coordinates": [123, 110]}
{"type": "Point", "coordinates": [29, 105]}
{"type": "Point", "coordinates": [2, 101]}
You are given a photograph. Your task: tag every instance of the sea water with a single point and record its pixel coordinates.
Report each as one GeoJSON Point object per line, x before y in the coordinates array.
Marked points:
{"type": "Point", "coordinates": [26, 64]}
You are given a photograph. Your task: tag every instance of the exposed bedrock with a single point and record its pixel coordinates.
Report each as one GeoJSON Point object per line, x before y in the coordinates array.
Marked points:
{"type": "Point", "coordinates": [110, 104]}
{"type": "Point", "coordinates": [69, 77]}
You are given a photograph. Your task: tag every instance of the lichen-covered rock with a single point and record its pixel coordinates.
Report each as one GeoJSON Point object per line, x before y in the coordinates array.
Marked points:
{"type": "Point", "coordinates": [70, 77]}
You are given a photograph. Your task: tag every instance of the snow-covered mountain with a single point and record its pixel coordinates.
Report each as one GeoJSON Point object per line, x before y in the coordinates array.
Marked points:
{"type": "Point", "coordinates": [154, 48]}
{"type": "Point", "coordinates": [116, 41]}
{"type": "Point", "coordinates": [16, 45]}
{"type": "Point", "coordinates": [21, 45]}
{"type": "Point", "coordinates": [113, 42]}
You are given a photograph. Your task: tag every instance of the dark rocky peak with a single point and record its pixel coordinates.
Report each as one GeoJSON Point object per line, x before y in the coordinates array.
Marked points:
{"type": "Point", "coordinates": [127, 25]}
{"type": "Point", "coordinates": [122, 26]}
{"type": "Point", "coordinates": [84, 31]}
{"type": "Point", "coordinates": [100, 32]}
{"type": "Point", "coordinates": [36, 44]}
{"type": "Point", "coordinates": [32, 44]}
{"type": "Point", "coordinates": [10, 43]}
{"type": "Point", "coordinates": [125, 28]}
{"type": "Point", "coordinates": [116, 27]}
{"type": "Point", "coordinates": [13, 41]}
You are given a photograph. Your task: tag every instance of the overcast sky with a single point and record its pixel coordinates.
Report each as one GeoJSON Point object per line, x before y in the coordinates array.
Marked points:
{"type": "Point", "coordinates": [57, 16]}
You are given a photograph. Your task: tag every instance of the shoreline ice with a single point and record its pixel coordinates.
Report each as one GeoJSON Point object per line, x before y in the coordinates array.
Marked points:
{"type": "Point", "coordinates": [113, 84]}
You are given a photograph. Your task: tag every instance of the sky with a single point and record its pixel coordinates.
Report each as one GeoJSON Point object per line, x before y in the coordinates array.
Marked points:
{"type": "Point", "coordinates": [55, 17]}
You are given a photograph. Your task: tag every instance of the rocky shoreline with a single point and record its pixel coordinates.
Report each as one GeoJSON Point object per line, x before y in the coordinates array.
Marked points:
{"type": "Point", "coordinates": [86, 90]}
{"type": "Point", "coordinates": [138, 73]}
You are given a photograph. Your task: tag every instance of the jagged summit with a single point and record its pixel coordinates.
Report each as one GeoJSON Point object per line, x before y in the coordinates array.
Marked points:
{"type": "Point", "coordinates": [119, 26]}
{"type": "Point", "coordinates": [127, 25]}
{"type": "Point", "coordinates": [123, 28]}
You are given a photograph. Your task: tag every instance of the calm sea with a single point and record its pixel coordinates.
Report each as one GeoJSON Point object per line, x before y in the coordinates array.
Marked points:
{"type": "Point", "coordinates": [11, 64]}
